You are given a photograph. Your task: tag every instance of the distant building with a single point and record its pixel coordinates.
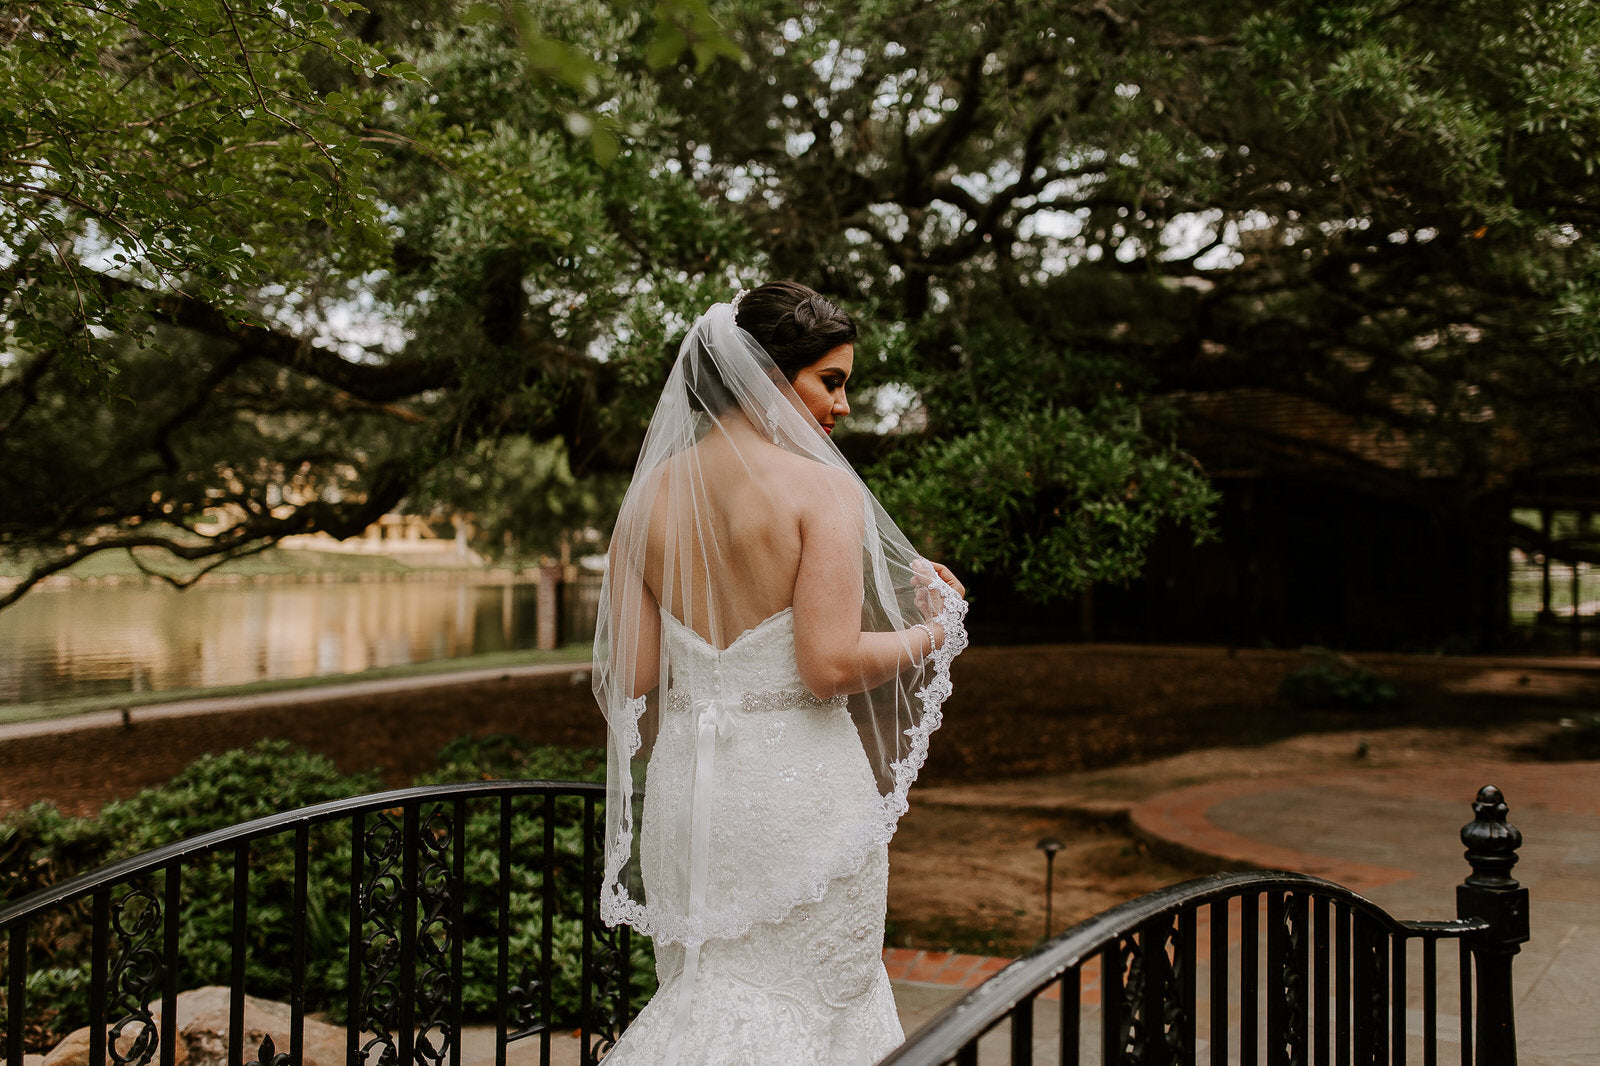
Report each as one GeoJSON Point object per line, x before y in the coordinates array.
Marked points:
{"type": "Point", "coordinates": [417, 540]}
{"type": "Point", "coordinates": [1332, 532]}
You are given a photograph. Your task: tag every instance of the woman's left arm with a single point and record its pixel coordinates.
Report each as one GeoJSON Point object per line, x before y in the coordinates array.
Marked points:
{"type": "Point", "coordinates": [834, 656]}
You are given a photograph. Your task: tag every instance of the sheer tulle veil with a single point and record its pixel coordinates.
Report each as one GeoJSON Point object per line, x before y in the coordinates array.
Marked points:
{"type": "Point", "coordinates": [722, 385]}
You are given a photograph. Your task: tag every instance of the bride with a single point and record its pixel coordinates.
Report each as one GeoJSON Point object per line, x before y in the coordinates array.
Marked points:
{"type": "Point", "coordinates": [771, 657]}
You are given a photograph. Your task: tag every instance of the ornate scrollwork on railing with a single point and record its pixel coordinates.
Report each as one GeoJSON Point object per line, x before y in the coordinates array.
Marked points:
{"type": "Point", "coordinates": [523, 1016]}
{"type": "Point", "coordinates": [436, 935]}
{"type": "Point", "coordinates": [1172, 964]}
{"type": "Point", "coordinates": [610, 970]}
{"type": "Point", "coordinates": [383, 892]}
{"type": "Point", "coordinates": [1290, 970]}
{"type": "Point", "coordinates": [269, 1055]}
{"type": "Point", "coordinates": [1125, 976]}
{"type": "Point", "coordinates": [134, 977]}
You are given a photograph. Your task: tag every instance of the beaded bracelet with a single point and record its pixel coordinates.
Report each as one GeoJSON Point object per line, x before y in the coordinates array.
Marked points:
{"type": "Point", "coordinates": [933, 643]}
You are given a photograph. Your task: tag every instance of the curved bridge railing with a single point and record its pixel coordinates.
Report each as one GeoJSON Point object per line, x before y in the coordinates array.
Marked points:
{"type": "Point", "coordinates": [1248, 968]}
{"type": "Point", "coordinates": [487, 888]}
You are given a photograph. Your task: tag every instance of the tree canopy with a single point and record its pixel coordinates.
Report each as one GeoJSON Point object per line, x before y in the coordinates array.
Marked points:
{"type": "Point", "coordinates": [275, 264]}
{"type": "Point", "coordinates": [296, 263]}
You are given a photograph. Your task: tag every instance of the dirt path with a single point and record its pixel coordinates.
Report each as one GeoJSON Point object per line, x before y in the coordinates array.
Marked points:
{"type": "Point", "coordinates": [966, 873]}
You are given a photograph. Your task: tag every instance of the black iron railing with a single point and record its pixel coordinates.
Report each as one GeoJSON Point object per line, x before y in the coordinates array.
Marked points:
{"type": "Point", "coordinates": [1248, 968]}
{"type": "Point", "coordinates": [409, 931]}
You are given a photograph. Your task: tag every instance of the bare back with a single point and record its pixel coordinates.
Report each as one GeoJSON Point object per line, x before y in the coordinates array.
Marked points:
{"type": "Point", "coordinates": [751, 532]}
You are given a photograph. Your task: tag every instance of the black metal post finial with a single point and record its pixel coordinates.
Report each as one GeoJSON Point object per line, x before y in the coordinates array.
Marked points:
{"type": "Point", "coordinates": [1491, 842]}
{"type": "Point", "coordinates": [1492, 895]}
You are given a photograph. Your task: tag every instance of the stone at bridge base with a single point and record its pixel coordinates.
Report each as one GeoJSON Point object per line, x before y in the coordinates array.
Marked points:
{"type": "Point", "coordinates": [202, 1021]}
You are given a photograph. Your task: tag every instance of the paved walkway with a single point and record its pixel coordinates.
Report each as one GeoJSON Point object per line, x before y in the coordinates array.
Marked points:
{"type": "Point", "coordinates": [1392, 835]}
{"type": "Point", "coordinates": [78, 721]}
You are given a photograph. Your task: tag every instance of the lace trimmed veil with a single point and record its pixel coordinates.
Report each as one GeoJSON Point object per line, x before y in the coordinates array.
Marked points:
{"type": "Point", "coordinates": [724, 392]}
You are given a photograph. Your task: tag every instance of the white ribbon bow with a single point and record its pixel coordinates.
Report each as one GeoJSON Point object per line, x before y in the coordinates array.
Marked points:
{"type": "Point", "coordinates": [713, 717]}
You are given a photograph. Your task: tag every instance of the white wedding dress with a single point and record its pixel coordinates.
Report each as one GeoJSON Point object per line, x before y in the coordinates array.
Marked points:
{"type": "Point", "coordinates": [785, 789]}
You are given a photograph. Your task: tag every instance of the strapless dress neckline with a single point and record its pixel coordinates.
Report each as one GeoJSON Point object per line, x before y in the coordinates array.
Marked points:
{"type": "Point", "coordinates": [765, 623]}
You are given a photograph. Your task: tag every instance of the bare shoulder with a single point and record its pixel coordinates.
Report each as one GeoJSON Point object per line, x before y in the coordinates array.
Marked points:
{"type": "Point", "coordinates": [802, 470]}
{"type": "Point", "coordinates": [816, 490]}
{"type": "Point", "coordinates": [641, 504]}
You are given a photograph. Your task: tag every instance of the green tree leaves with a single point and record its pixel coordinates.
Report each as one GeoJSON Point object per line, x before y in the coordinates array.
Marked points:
{"type": "Point", "coordinates": [368, 241]}
{"type": "Point", "coordinates": [175, 146]}
{"type": "Point", "coordinates": [377, 241]}
{"type": "Point", "coordinates": [1052, 501]}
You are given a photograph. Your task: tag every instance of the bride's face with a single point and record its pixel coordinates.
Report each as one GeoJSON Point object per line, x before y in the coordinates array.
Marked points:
{"type": "Point", "coordinates": [820, 386]}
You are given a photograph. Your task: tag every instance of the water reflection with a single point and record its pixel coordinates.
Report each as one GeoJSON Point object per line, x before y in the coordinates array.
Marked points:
{"type": "Point", "coordinates": [85, 640]}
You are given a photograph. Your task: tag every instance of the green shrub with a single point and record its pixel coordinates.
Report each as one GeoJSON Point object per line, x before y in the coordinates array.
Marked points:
{"type": "Point", "coordinates": [1333, 682]}
{"type": "Point", "coordinates": [504, 756]}
{"type": "Point", "coordinates": [41, 847]}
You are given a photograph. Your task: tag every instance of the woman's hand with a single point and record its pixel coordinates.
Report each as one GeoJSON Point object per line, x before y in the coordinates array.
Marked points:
{"type": "Point", "coordinates": [930, 599]}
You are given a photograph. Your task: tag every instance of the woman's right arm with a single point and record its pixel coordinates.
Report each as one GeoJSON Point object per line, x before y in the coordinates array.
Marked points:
{"type": "Point", "coordinates": [634, 617]}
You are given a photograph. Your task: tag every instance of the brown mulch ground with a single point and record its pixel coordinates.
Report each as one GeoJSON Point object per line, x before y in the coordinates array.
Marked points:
{"type": "Point", "coordinates": [1017, 712]}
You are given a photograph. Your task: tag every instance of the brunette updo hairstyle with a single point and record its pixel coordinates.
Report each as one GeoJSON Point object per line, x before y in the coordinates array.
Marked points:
{"type": "Point", "coordinates": [794, 324]}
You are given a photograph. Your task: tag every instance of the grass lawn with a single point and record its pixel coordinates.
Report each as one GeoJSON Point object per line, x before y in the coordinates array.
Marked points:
{"type": "Point", "coordinates": [273, 562]}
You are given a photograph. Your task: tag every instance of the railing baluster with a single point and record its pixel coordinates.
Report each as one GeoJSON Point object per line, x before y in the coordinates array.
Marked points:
{"type": "Point", "coordinates": [172, 891]}
{"type": "Point", "coordinates": [1430, 1002]}
{"type": "Point", "coordinates": [16, 987]}
{"type": "Point", "coordinates": [1397, 999]}
{"type": "Point", "coordinates": [502, 984]}
{"type": "Point", "coordinates": [1361, 1003]}
{"type": "Point", "coordinates": [1321, 995]}
{"type": "Point", "coordinates": [1299, 960]}
{"type": "Point", "coordinates": [1022, 1033]}
{"type": "Point", "coordinates": [99, 954]}
{"type": "Point", "coordinates": [585, 995]}
{"type": "Point", "coordinates": [1249, 977]}
{"type": "Point", "coordinates": [241, 928]}
{"type": "Point", "coordinates": [297, 949]}
{"type": "Point", "coordinates": [458, 927]}
{"type": "Point", "coordinates": [1466, 1004]}
{"type": "Point", "coordinates": [1219, 981]}
{"type": "Point", "coordinates": [1111, 1043]}
{"type": "Point", "coordinates": [1071, 1013]}
{"type": "Point", "coordinates": [1277, 983]}
{"type": "Point", "coordinates": [1371, 993]}
{"type": "Point", "coordinates": [547, 926]}
{"type": "Point", "coordinates": [1157, 989]}
{"type": "Point", "coordinates": [353, 1012]}
{"type": "Point", "coordinates": [410, 846]}
{"type": "Point", "coordinates": [1343, 956]}
{"type": "Point", "coordinates": [1187, 961]}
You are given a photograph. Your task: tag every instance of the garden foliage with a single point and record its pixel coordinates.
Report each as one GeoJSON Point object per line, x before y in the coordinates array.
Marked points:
{"type": "Point", "coordinates": [1334, 682]}
{"type": "Point", "coordinates": [41, 847]}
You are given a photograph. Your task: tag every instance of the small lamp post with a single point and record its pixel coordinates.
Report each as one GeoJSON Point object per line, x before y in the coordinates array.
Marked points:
{"type": "Point", "coordinates": [1049, 845]}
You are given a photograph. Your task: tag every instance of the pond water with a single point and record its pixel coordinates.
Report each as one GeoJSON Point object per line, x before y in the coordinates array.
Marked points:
{"type": "Point", "coordinates": [82, 640]}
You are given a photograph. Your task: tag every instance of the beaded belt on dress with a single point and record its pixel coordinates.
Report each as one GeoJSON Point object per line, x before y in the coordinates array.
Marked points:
{"type": "Point", "coordinates": [754, 702]}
